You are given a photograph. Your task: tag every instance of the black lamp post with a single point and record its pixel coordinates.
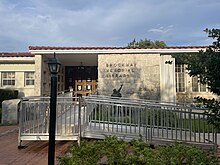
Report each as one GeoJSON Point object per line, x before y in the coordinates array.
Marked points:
{"type": "Point", "coordinates": [54, 67]}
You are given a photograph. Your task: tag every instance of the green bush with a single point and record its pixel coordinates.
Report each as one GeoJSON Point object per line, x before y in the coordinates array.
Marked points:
{"type": "Point", "coordinates": [6, 94]}
{"type": "Point", "coordinates": [184, 154]}
{"type": "Point", "coordinates": [114, 151]}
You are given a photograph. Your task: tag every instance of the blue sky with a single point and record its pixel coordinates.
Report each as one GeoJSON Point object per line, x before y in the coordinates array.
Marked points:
{"type": "Point", "coordinates": [105, 23]}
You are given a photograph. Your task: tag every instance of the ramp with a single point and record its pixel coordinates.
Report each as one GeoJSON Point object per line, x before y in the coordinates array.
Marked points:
{"type": "Point", "coordinates": [98, 116]}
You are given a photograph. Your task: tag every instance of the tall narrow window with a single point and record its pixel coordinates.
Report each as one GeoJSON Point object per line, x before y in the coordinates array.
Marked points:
{"type": "Point", "coordinates": [197, 86]}
{"type": "Point", "coordinates": [180, 78]}
{"type": "Point", "coordinates": [8, 78]}
{"type": "Point", "coordinates": [203, 87]}
{"type": "Point", "coordinates": [29, 78]}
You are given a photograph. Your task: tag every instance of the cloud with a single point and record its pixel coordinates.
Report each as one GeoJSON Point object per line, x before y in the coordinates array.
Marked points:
{"type": "Point", "coordinates": [99, 23]}
{"type": "Point", "coordinates": [162, 30]}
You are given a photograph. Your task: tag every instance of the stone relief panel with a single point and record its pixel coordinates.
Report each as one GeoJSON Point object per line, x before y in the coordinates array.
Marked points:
{"type": "Point", "coordinates": [139, 74]}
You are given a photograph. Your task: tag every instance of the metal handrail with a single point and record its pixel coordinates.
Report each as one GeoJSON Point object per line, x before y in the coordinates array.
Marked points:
{"type": "Point", "coordinates": [95, 116]}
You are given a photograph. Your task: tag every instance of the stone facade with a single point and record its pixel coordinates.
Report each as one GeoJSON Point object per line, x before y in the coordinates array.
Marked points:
{"type": "Point", "coordinates": [139, 74]}
{"type": "Point", "coordinates": [38, 75]}
{"type": "Point", "coordinates": [43, 77]}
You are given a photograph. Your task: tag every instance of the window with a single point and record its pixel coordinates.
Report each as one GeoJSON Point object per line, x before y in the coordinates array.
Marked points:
{"type": "Point", "coordinates": [58, 78]}
{"type": "Point", "coordinates": [88, 87]}
{"type": "Point", "coordinates": [79, 87]}
{"type": "Point", "coordinates": [29, 78]}
{"type": "Point", "coordinates": [197, 86]}
{"type": "Point", "coordinates": [180, 77]}
{"type": "Point", "coordinates": [8, 78]}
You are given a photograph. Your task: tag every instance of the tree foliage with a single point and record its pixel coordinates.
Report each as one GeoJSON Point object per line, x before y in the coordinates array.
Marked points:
{"type": "Point", "coordinates": [205, 64]}
{"type": "Point", "coordinates": [146, 43]}
{"type": "Point", "coordinates": [213, 115]}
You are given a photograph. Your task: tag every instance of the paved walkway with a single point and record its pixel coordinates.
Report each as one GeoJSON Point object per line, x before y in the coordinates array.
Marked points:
{"type": "Point", "coordinates": [33, 152]}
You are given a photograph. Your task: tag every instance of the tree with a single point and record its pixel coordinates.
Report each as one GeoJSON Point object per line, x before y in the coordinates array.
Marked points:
{"type": "Point", "coordinates": [146, 43]}
{"type": "Point", "coordinates": [206, 65]}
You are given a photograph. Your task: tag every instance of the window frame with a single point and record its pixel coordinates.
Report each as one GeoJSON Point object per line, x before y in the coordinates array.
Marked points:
{"type": "Point", "coordinates": [180, 72]}
{"type": "Point", "coordinates": [29, 79]}
{"type": "Point", "coordinates": [199, 86]}
{"type": "Point", "coordinates": [10, 77]}
{"type": "Point", "coordinates": [89, 87]}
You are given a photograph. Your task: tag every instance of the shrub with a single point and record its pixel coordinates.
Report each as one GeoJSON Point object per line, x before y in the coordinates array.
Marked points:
{"type": "Point", "coordinates": [184, 154]}
{"type": "Point", "coordinates": [114, 151]}
{"type": "Point", "coordinates": [6, 94]}
{"type": "Point", "coordinates": [86, 154]}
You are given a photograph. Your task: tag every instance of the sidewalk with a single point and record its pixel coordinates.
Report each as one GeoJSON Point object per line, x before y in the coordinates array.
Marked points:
{"type": "Point", "coordinates": [34, 152]}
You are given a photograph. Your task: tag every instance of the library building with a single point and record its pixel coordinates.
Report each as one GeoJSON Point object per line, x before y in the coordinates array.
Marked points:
{"type": "Point", "coordinates": [143, 73]}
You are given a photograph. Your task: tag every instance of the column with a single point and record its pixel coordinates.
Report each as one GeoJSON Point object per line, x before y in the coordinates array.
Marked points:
{"type": "Point", "coordinates": [167, 79]}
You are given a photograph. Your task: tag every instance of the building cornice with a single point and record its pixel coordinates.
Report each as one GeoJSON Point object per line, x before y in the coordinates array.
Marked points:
{"type": "Point", "coordinates": [114, 50]}
{"type": "Point", "coordinates": [16, 54]}
{"type": "Point", "coordinates": [7, 60]}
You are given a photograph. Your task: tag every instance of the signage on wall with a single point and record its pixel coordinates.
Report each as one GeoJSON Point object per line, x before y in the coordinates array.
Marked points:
{"type": "Point", "coordinates": [119, 70]}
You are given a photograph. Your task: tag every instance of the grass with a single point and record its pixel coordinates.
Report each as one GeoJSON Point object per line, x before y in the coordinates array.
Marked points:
{"type": "Point", "coordinates": [197, 125]}
{"type": "Point", "coordinates": [158, 118]}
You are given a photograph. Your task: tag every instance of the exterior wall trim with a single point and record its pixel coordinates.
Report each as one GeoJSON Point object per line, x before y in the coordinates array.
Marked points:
{"type": "Point", "coordinates": [119, 51]}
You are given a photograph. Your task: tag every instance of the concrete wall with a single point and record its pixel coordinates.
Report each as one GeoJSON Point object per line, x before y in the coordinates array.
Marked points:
{"type": "Point", "coordinates": [139, 74]}
{"type": "Point", "coordinates": [10, 110]}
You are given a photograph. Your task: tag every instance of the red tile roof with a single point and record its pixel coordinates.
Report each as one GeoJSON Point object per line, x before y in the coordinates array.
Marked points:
{"type": "Point", "coordinates": [16, 54]}
{"type": "Point", "coordinates": [109, 48]}
{"type": "Point", "coordinates": [28, 54]}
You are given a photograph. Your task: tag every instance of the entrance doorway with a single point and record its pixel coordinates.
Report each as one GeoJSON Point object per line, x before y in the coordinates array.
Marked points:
{"type": "Point", "coordinates": [82, 79]}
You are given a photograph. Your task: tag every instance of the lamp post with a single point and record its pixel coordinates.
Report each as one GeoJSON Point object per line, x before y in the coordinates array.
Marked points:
{"type": "Point", "coordinates": [54, 67]}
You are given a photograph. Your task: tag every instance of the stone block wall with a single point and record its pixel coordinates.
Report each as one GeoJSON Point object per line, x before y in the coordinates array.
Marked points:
{"type": "Point", "coordinates": [139, 74]}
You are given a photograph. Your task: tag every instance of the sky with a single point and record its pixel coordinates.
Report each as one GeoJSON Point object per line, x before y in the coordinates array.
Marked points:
{"type": "Point", "coordinates": [105, 22]}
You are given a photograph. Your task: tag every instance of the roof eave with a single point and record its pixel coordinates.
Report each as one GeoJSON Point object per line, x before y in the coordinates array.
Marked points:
{"type": "Point", "coordinates": [118, 51]}
{"type": "Point", "coordinates": [17, 60]}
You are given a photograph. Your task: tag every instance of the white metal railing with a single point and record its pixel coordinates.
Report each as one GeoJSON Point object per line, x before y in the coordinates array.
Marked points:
{"type": "Point", "coordinates": [152, 120]}
{"type": "Point", "coordinates": [34, 118]}
{"type": "Point", "coordinates": [96, 116]}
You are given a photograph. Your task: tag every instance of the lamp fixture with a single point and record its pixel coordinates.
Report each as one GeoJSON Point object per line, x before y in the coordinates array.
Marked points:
{"type": "Point", "coordinates": [54, 65]}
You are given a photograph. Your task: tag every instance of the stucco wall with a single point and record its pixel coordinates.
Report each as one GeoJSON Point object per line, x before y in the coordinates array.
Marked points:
{"type": "Point", "coordinates": [19, 70]}
{"type": "Point", "coordinates": [139, 74]}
